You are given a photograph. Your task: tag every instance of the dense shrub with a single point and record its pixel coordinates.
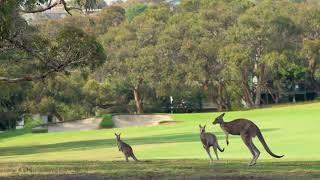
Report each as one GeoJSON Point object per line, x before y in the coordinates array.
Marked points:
{"type": "Point", "coordinates": [106, 121]}
{"type": "Point", "coordinates": [32, 122]}
{"type": "Point", "coordinates": [8, 120]}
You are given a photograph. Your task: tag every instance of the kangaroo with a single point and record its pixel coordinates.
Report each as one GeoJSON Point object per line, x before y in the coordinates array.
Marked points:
{"type": "Point", "coordinates": [125, 148]}
{"type": "Point", "coordinates": [247, 130]}
{"type": "Point", "coordinates": [208, 140]}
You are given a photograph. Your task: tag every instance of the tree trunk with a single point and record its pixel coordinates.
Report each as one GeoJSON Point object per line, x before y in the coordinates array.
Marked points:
{"type": "Point", "coordinates": [247, 95]}
{"type": "Point", "coordinates": [57, 115]}
{"type": "Point", "coordinates": [259, 85]}
{"type": "Point", "coordinates": [313, 68]}
{"type": "Point", "coordinates": [258, 93]}
{"type": "Point", "coordinates": [138, 100]}
{"type": "Point", "coordinates": [274, 96]}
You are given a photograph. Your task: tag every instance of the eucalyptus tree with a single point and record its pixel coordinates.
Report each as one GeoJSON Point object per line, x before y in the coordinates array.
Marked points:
{"type": "Point", "coordinates": [29, 56]}
{"type": "Point", "coordinates": [260, 39]}
{"type": "Point", "coordinates": [308, 18]}
{"type": "Point", "coordinates": [130, 48]}
{"type": "Point", "coordinates": [190, 46]}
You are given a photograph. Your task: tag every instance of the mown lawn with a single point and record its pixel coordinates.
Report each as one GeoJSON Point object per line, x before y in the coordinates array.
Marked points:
{"type": "Point", "coordinates": [174, 150]}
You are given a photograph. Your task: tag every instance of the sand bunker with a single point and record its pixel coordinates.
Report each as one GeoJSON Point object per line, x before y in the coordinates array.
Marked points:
{"type": "Point", "coordinates": [139, 120]}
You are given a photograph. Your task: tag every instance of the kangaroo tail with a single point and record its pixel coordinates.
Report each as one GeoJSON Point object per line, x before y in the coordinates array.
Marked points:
{"type": "Point", "coordinates": [134, 157]}
{"type": "Point", "coordinates": [263, 142]}
{"type": "Point", "coordinates": [221, 150]}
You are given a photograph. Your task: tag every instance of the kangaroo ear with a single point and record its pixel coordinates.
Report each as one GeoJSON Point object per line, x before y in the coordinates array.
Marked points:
{"type": "Point", "coordinates": [119, 134]}
{"type": "Point", "coordinates": [115, 134]}
{"type": "Point", "coordinates": [204, 126]}
{"type": "Point", "coordinates": [199, 126]}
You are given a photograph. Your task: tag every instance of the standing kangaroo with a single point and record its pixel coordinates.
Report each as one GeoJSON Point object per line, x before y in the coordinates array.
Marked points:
{"type": "Point", "coordinates": [247, 130]}
{"type": "Point", "coordinates": [125, 148]}
{"type": "Point", "coordinates": [208, 140]}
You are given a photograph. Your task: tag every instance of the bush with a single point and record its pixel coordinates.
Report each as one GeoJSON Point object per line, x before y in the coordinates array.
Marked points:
{"type": "Point", "coordinates": [31, 123]}
{"type": "Point", "coordinates": [106, 121]}
{"type": "Point", "coordinates": [8, 120]}
{"type": "Point", "coordinates": [72, 112]}
{"type": "Point", "coordinates": [40, 130]}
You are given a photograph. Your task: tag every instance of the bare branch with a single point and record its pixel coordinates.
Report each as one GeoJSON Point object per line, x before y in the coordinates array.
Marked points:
{"type": "Point", "coordinates": [50, 6]}
{"type": "Point", "coordinates": [31, 52]}
{"type": "Point", "coordinates": [34, 77]}
{"type": "Point", "coordinates": [26, 78]}
{"type": "Point", "coordinates": [68, 9]}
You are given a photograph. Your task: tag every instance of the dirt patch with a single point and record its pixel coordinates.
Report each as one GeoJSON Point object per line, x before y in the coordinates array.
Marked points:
{"type": "Point", "coordinates": [77, 125]}
{"type": "Point", "coordinates": [139, 120]}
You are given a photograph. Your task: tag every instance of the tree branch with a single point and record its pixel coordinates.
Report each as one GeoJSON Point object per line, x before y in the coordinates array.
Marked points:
{"type": "Point", "coordinates": [31, 51]}
{"type": "Point", "coordinates": [68, 9]}
{"type": "Point", "coordinates": [50, 6]}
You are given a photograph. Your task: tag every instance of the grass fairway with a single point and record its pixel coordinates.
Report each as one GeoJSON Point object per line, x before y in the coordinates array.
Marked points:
{"type": "Point", "coordinates": [174, 150]}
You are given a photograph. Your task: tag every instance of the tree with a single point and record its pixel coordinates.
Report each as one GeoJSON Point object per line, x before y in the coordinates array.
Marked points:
{"type": "Point", "coordinates": [191, 43]}
{"type": "Point", "coordinates": [60, 96]}
{"type": "Point", "coordinates": [95, 24]}
{"type": "Point", "coordinates": [309, 20]}
{"type": "Point", "coordinates": [131, 47]}
{"type": "Point", "coordinates": [20, 43]}
{"type": "Point", "coordinates": [261, 31]}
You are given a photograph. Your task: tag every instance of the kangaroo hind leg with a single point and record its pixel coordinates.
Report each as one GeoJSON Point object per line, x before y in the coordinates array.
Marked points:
{"type": "Point", "coordinates": [257, 153]}
{"type": "Point", "coordinates": [216, 151]}
{"type": "Point", "coordinates": [208, 151]}
{"type": "Point", "coordinates": [248, 142]}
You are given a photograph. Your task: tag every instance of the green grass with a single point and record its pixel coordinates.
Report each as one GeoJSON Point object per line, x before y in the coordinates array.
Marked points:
{"type": "Point", "coordinates": [174, 150]}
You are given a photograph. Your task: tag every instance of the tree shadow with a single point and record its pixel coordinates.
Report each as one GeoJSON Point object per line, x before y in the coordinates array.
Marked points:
{"type": "Point", "coordinates": [15, 133]}
{"type": "Point", "coordinates": [106, 143]}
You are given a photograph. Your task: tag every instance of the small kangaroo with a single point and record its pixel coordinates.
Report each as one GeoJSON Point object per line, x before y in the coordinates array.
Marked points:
{"type": "Point", "coordinates": [208, 140]}
{"type": "Point", "coordinates": [247, 130]}
{"type": "Point", "coordinates": [125, 148]}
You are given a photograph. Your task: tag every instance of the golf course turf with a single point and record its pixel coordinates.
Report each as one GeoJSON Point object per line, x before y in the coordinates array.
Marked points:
{"type": "Point", "coordinates": [172, 151]}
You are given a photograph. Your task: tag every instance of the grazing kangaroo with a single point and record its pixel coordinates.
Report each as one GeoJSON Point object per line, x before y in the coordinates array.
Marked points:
{"type": "Point", "coordinates": [247, 130]}
{"type": "Point", "coordinates": [208, 140]}
{"type": "Point", "coordinates": [125, 148]}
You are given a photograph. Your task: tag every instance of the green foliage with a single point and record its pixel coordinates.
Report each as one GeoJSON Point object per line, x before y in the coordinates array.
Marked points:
{"type": "Point", "coordinates": [106, 121]}
{"type": "Point", "coordinates": [135, 10]}
{"type": "Point", "coordinates": [8, 120]}
{"type": "Point", "coordinates": [229, 52]}
{"type": "Point", "coordinates": [30, 123]}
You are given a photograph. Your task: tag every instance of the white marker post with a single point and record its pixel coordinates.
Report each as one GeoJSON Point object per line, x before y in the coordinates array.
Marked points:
{"type": "Point", "coordinates": [171, 101]}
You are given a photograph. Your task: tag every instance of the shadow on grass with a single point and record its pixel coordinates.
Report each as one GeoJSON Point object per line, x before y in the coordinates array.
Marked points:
{"type": "Point", "coordinates": [104, 143]}
{"type": "Point", "coordinates": [14, 133]}
{"type": "Point", "coordinates": [160, 169]}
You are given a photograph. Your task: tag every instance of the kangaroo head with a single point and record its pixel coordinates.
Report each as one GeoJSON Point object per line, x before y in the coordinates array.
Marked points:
{"type": "Point", "coordinates": [218, 119]}
{"type": "Point", "coordinates": [117, 136]}
{"type": "Point", "coordinates": [202, 128]}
